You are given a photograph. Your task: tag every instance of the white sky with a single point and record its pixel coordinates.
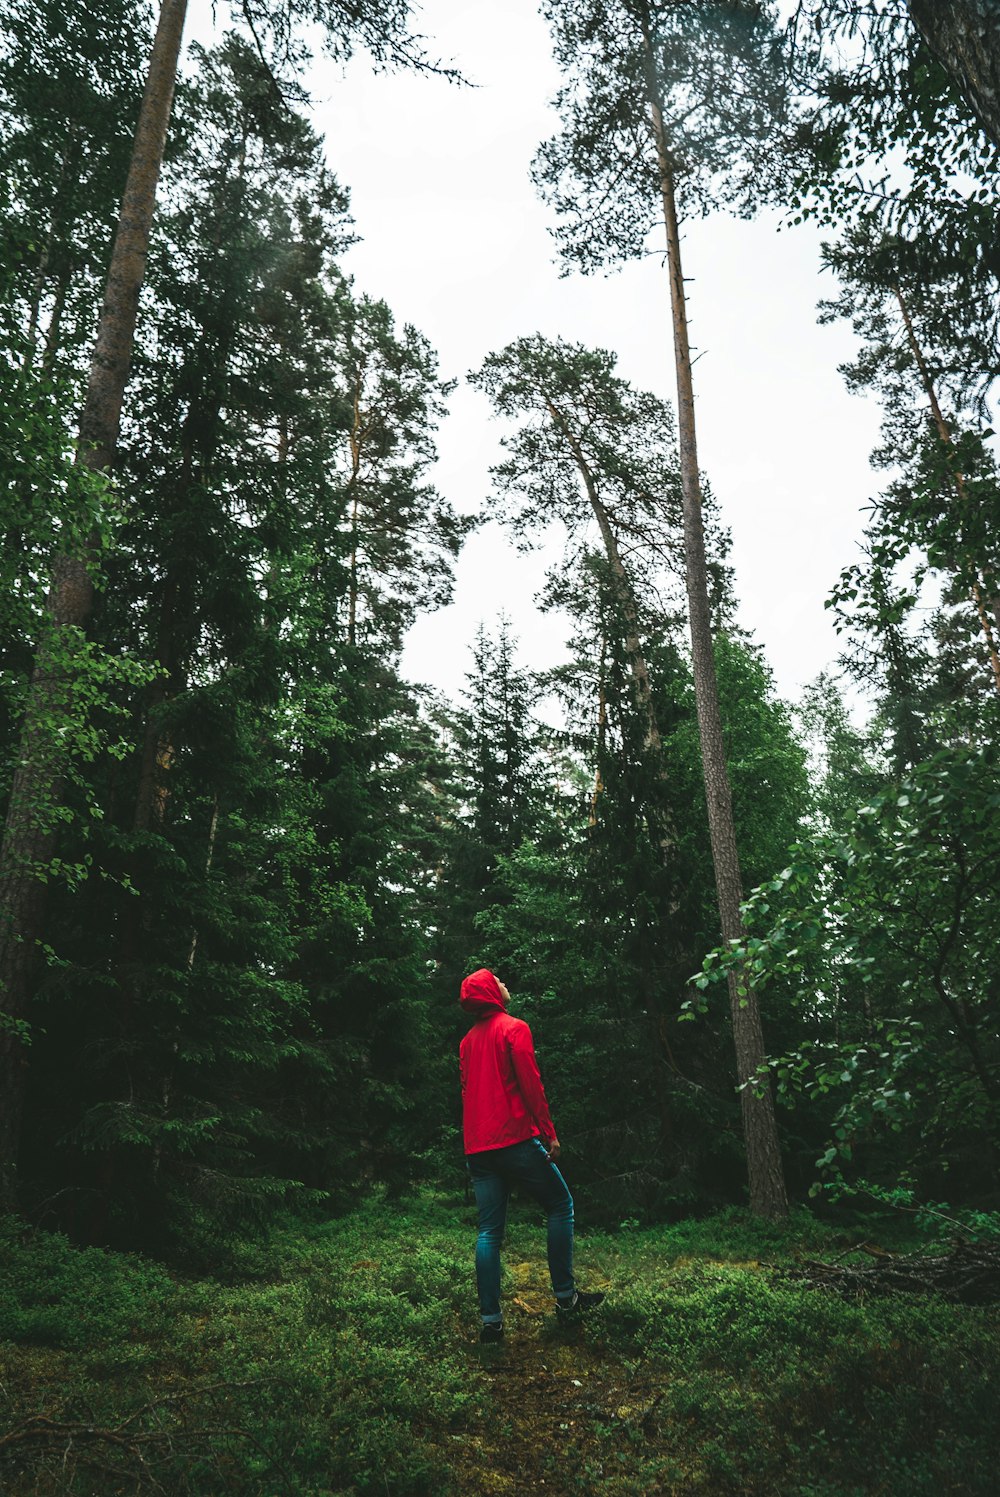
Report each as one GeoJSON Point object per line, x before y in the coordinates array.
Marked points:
{"type": "Point", "coordinates": [454, 239]}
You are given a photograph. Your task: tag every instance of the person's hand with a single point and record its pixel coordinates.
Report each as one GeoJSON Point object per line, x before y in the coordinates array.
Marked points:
{"type": "Point", "coordinates": [553, 1149]}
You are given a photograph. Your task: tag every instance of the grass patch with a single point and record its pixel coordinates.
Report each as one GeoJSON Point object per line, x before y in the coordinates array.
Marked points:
{"type": "Point", "coordinates": [348, 1364]}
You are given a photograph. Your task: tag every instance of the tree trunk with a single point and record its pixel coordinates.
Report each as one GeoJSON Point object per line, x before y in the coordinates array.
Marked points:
{"type": "Point", "coordinates": [113, 352]}
{"type": "Point", "coordinates": [767, 1186]}
{"type": "Point", "coordinates": [965, 37]}
{"type": "Point", "coordinates": [29, 834]}
{"type": "Point", "coordinates": [357, 436]}
{"type": "Point", "coordinates": [601, 736]}
{"type": "Point", "coordinates": [54, 329]}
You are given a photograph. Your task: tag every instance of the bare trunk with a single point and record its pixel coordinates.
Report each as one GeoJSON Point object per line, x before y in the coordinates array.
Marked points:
{"type": "Point", "coordinates": [115, 335]}
{"type": "Point", "coordinates": [767, 1186]}
{"type": "Point", "coordinates": [37, 292]}
{"type": "Point", "coordinates": [213, 827]}
{"type": "Point", "coordinates": [54, 328]}
{"type": "Point", "coordinates": [167, 1080]}
{"type": "Point", "coordinates": [961, 489]}
{"type": "Point", "coordinates": [602, 731]}
{"type": "Point", "coordinates": [356, 439]}
{"type": "Point", "coordinates": [29, 834]}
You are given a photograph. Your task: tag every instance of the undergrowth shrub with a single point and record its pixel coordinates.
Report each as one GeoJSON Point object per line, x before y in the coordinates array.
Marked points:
{"type": "Point", "coordinates": [53, 1294]}
{"type": "Point", "coordinates": [773, 1387]}
{"type": "Point", "coordinates": [345, 1365]}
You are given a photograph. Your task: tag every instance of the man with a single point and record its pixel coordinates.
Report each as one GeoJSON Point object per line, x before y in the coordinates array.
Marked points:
{"type": "Point", "coordinates": [510, 1140]}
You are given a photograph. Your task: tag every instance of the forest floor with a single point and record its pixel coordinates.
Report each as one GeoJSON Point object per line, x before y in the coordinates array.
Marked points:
{"type": "Point", "coordinates": [343, 1358]}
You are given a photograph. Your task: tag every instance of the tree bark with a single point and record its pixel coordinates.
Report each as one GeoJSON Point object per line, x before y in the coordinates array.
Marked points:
{"type": "Point", "coordinates": [357, 436]}
{"type": "Point", "coordinates": [30, 831]}
{"type": "Point", "coordinates": [964, 35]}
{"type": "Point", "coordinates": [766, 1177]}
{"type": "Point", "coordinates": [601, 735]}
{"type": "Point", "coordinates": [116, 332]}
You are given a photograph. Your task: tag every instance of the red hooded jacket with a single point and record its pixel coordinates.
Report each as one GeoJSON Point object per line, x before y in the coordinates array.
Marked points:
{"type": "Point", "coordinates": [503, 1100]}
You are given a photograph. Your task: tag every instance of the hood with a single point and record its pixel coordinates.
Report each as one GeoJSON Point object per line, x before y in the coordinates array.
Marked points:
{"type": "Point", "coordinates": [481, 995]}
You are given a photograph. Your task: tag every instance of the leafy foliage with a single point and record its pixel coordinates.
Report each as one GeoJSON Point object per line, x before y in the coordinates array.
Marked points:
{"type": "Point", "coordinates": [884, 934]}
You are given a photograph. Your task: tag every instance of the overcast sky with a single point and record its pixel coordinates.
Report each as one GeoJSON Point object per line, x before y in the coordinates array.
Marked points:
{"type": "Point", "coordinates": [454, 239]}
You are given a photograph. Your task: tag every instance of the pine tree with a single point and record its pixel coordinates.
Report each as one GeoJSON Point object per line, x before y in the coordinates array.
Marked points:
{"type": "Point", "coordinates": [588, 450]}
{"type": "Point", "coordinates": [256, 976]}
{"type": "Point", "coordinates": [400, 534]}
{"type": "Point", "coordinates": [938, 513]}
{"type": "Point", "coordinates": [68, 104]}
{"type": "Point", "coordinates": [662, 103]}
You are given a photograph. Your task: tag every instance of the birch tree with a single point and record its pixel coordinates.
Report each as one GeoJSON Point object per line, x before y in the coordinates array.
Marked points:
{"type": "Point", "coordinates": [965, 35]}
{"type": "Point", "coordinates": [668, 109]}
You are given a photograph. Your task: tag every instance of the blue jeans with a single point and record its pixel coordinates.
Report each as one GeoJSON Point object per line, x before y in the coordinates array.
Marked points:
{"type": "Point", "coordinates": [494, 1173]}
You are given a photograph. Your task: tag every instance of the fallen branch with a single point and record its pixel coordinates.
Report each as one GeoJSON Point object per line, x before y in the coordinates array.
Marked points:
{"type": "Point", "coordinates": [969, 1273]}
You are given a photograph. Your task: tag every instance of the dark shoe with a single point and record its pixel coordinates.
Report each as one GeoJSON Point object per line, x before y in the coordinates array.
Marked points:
{"type": "Point", "coordinates": [491, 1334]}
{"type": "Point", "coordinates": [579, 1304]}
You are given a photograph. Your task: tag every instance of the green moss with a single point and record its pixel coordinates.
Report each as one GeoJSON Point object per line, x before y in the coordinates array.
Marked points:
{"type": "Point", "coordinates": [348, 1364]}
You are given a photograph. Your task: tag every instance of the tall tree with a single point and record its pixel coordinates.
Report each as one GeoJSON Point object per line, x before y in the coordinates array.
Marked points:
{"type": "Point", "coordinates": [401, 534]}
{"type": "Point", "coordinates": [883, 929]}
{"type": "Point", "coordinates": [880, 143]}
{"type": "Point", "coordinates": [598, 934]}
{"type": "Point", "coordinates": [68, 105]}
{"type": "Point", "coordinates": [253, 942]}
{"type": "Point", "coordinates": [937, 516]}
{"type": "Point", "coordinates": [665, 102]}
{"type": "Point", "coordinates": [28, 841]}
{"type": "Point", "coordinates": [183, 837]}
{"type": "Point", "coordinates": [885, 151]}
{"type": "Point", "coordinates": [590, 450]}
{"type": "Point", "coordinates": [502, 789]}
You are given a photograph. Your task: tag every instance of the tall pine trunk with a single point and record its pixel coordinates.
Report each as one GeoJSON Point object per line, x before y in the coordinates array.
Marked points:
{"type": "Point", "coordinates": [767, 1185]}
{"type": "Point", "coordinates": [357, 436]}
{"type": "Point", "coordinates": [30, 832]}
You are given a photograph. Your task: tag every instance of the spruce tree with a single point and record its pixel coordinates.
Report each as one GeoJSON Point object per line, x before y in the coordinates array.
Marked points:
{"type": "Point", "coordinates": [501, 787]}
{"type": "Point", "coordinates": [29, 840]}
{"type": "Point", "coordinates": [256, 971]}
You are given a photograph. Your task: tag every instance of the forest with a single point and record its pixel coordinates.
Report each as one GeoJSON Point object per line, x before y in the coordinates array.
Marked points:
{"type": "Point", "coordinates": [247, 861]}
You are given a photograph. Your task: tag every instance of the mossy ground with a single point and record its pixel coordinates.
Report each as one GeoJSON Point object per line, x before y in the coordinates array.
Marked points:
{"type": "Point", "coordinates": [343, 1359]}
